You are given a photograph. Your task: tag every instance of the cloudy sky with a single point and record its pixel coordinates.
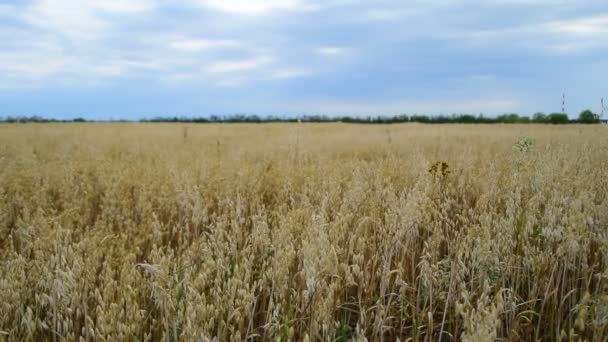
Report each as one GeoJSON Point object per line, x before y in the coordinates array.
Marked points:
{"type": "Point", "coordinates": [141, 58]}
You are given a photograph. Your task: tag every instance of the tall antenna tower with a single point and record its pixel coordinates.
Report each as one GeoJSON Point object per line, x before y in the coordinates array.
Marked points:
{"type": "Point", "coordinates": [604, 107]}
{"type": "Point", "coordinates": [563, 102]}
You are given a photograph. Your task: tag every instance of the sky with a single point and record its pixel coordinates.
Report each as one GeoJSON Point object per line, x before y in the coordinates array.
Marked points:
{"type": "Point", "coordinates": [133, 59]}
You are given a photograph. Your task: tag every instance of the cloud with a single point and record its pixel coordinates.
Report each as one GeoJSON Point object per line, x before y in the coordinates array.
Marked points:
{"type": "Point", "coordinates": [390, 14]}
{"type": "Point", "coordinates": [382, 14]}
{"type": "Point", "coordinates": [23, 68]}
{"type": "Point", "coordinates": [42, 60]}
{"type": "Point", "coordinates": [554, 36]}
{"type": "Point", "coordinates": [287, 73]}
{"type": "Point", "coordinates": [331, 50]}
{"type": "Point", "coordinates": [348, 52]}
{"type": "Point", "coordinates": [194, 44]}
{"type": "Point", "coordinates": [387, 107]}
{"type": "Point", "coordinates": [584, 26]}
{"type": "Point", "coordinates": [81, 20]}
{"type": "Point", "coordinates": [122, 7]}
{"type": "Point", "coordinates": [238, 65]}
{"type": "Point", "coordinates": [232, 82]}
{"type": "Point", "coordinates": [254, 7]}
{"type": "Point", "coordinates": [62, 17]}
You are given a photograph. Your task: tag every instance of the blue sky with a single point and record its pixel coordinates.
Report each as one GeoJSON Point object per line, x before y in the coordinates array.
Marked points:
{"type": "Point", "coordinates": [142, 58]}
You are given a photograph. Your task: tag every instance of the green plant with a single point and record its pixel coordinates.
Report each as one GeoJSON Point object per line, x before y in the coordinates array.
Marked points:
{"type": "Point", "coordinates": [587, 116]}
{"type": "Point", "coordinates": [539, 117]}
{"type": "Point", "coordinates": [524, 144]}
{"type": "Point", "coordinates": [558, 118]}
{"type": "Point", "coordinates": [344, 332]}
{"type": "Point", "coordinates": [440, 168]}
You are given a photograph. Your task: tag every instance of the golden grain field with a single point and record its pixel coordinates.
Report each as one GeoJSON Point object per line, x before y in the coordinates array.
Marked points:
{"type": "Point", "coordinates": [303, 232]}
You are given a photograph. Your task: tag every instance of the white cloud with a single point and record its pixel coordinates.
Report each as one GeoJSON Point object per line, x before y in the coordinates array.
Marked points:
{"type": "Point", "coordinates": [331, 50]}
{"type": "Point", "coordinates": [388, 107]}
{"type": "Point", "coordinates": [255, 7]}
{"type": "Point", "coordinates": [287, 73]}
{"type": "Point", "coordinates": [238, 65]}
{"type": "Point", "coordinates": [68, 66]}
{"type": "Point", "coordinates": [63, 18]}
{"type": "Point", "coordinates": [389, 14]}
{"type": "Point", "coordinates": [561, 36]}
{"type": "Point", "coordinates": [23, 65]}
{"type": "Point", "coordinates": [192, 44]}
{"type": "Point", "coordinates": [43, 61]}
{"type": "Point", "coordinates": [80, 20]}
{"type": "Point", "coordinates": [123, 7]}
{"type": "Point", "coordinates": [232, 82]}
{"type": "Point", "coordinates": [593, 25]}
{"type": "Point", "coordinates": [382, 14]}
{"type": "Point", "coordinates": [105, 40]}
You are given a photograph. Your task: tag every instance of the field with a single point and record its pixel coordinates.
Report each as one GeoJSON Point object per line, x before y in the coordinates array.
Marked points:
{"type": "Point", "coordinates": [303, 232]}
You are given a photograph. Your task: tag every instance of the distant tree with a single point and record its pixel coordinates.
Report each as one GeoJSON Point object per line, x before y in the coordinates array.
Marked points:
{"type": "Point", "coordinates": [508, 118]}
{"type": "Point", "coordinates": [420, 118]}
{"type": "Point", "coordinates": [539, 117]}
{"type": "Point", "coordinates": [558, 118]}
{"type": "Point", "coordinates": [442, 119]}
{"type": "Point", "coordinates": [402, 118]}
{"type": "Point", "coordinates": [484, 119]}
{"type": "Point", "coordinates": [467, 118]}
{"type": "Point", "coordinates": [588, 117]}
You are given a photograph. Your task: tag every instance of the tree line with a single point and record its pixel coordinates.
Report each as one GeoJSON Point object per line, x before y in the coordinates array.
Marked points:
{"type": "Point", "coordinates": [586, 116]}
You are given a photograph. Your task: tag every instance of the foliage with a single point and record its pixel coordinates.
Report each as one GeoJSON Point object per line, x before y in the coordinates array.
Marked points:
{"type": "Point", "coordinates": [539, 117]}
{"type": "Point", "coordinates": [510, 118]}
{"type": "Point", "coordinates": [36, 119]}
{"type": "Point", "coordinates": [587, 116]}
{"type": "Point", "coordinates": [440, 169]}
{"type": "Point", "coordinates": [558, 118]}
{"type": "Point", "coordinates": [524, 144]}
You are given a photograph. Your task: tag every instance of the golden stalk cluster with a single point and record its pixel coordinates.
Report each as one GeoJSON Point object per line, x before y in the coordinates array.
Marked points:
{"type": "Point", "coordinates": [304, 232]}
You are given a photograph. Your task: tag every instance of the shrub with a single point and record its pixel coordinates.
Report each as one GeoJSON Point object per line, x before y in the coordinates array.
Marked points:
{"type": "Point", "coordinates": [558, 118]}
{"type": "Point", "coordinates": [524, 144]}
{"type": "Point", "coordinates": [589, 117]}
{"type": "Point", "coordinates": [539, 117]}
{"type": "Point", "coordinates": [508, 118]}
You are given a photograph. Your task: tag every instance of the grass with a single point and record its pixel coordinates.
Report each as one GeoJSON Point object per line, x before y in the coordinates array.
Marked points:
{"type": "Point", "coordinates": [303, 232]}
